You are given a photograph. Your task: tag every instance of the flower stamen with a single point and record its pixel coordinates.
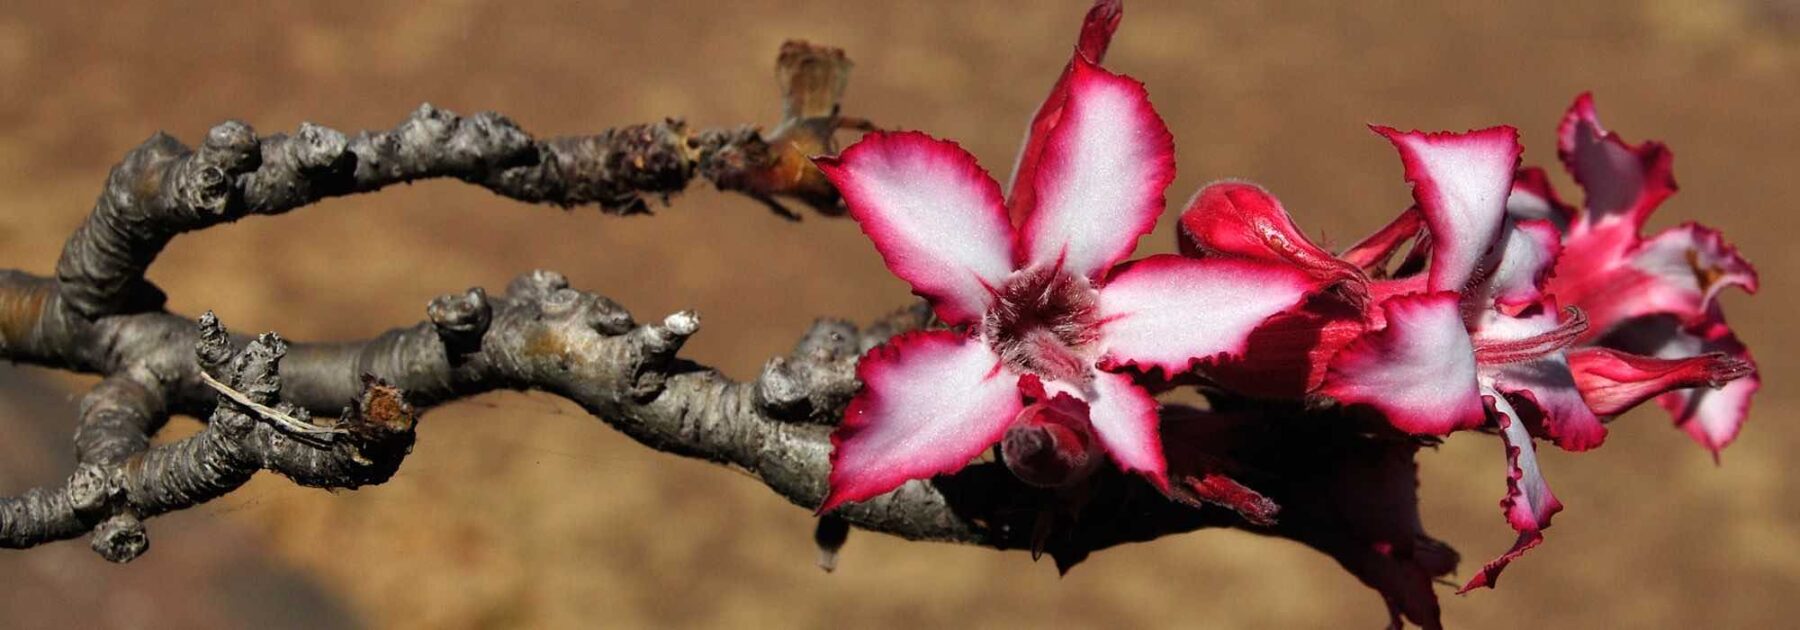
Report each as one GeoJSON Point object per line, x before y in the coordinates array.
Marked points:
{"type": "Point", "coordinates": [1504, 351]}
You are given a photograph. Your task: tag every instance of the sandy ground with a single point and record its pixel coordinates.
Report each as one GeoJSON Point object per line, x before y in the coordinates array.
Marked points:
{"type": "Point", "coordinates": [520, 510]}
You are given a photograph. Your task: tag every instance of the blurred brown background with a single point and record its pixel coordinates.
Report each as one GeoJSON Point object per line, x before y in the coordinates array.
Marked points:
{"type": "Point", "coordinates": [520, 510]}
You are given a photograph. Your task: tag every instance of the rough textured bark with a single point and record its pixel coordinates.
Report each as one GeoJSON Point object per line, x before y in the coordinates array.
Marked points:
{"type": "Point", "coordinates": [100, 315]}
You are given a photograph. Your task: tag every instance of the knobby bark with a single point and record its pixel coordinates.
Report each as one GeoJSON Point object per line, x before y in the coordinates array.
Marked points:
{"type": "Point", "coordinates": [100, 315]}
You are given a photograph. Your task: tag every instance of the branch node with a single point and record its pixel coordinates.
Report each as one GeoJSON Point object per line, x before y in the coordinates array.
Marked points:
{"type": "Point", "coordinates": [777, 390]}
{"type": "Point", "coordinates": [608, 317]}
{"type": "Point", "coordinates": [318, 148]}
{"type": "Point", "coordinates": [206, 188]}
{"type": "Point", "coordinates": [661, 341]}
{"type": "Point", "coordinates": [536, 284]}
{"type": "Point", "coordinates": [814, 382]}
{"type": "Point", "coordinates": [829, 338]}
{"type": "Point", "coordinates": [682, 324]}
{"type": "Point", "coordinates": [491, 139]}
{"type": "Point", "coordinates": [256, 371]}
{"type": "Point", "coordinates": [91, 489]}
{"type": "Point", "coordinates": [120, 538]}
{"type": "Point", "coordinates": [657, 345]}
{"type": "Point", "coordinates": [461, 320]}
{"type": "Point", "coordinates": [233, 146]}
{"type": "Point", "coordinates": [214, 347]}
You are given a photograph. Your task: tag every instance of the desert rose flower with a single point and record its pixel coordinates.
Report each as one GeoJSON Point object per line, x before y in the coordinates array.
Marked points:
{"type": "Point", "coordinates": [1654, 296]}
{"type": "Point", "coordinates": [1465, 333]}
{"type": "Point", "coordinates": [1045, 321]}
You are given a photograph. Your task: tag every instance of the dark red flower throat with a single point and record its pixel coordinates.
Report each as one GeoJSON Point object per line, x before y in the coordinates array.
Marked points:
{"type": "Point", "coordinates": [1045, 321]}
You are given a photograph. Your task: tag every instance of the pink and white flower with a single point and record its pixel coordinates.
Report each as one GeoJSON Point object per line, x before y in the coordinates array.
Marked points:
{"type": "Point", "coordinates": [1466, 331]}
{"type": "Point", "coordinates": [1655, 296]}
{"type": "Point", "coordinates": [1039, 306]}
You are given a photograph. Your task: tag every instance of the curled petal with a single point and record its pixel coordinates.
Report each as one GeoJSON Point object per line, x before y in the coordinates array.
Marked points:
{"type": "Point", "coordinates": [1099, 185]}
{"type": "Point", "coordinates": [1621, 180]}
{"type": "Point", "coordinates": [1532, 198]}
{"type": "Point", "coordinates": [1096, 34]}
{"type": "Point", "coordinates": [930, 402]}
{"type": "Point", "coordinates": [1237, 219]}
{"type": "Point", "coordinates": [1525, 258]}
{"type": "Point", "coordinates": [1124, 417]}
{"type": "Point", "coordinates": [1528, 504]}
{"type": "Point", "coordinates": [1460, 182]}
{"type": "Point", "coordinates": [1168, 311]}
{"type": "Point", "coordinates": [933, 213]}
{"type": "Point", "coordinates": [1613, 382]}
{"type": "Point", "coordinates": [1419, 371]}
{"type": "Point", "coordinates": [1694, 263]}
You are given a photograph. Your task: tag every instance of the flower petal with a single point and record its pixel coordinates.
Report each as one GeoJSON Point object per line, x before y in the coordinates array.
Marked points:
{"type": "Point", "coordinates": [1712, 417]}
{"type": "Point", "coordinates": [1124, 417]}
{"type": "Point", "coordinates": [1096, 34]}
{"type": "Point", "coordinates": [1532, 197]}
{"type": "Point", "coordinates": [1522, 356]}
{"type": "Point", "coordinates": [1239, 219]}
{"type": "Point", "coordinates": [1613, 382]}
{"type": "Point", "coordinates": [1419, 371]}
{"type": "Point", "coordinates": [930, 402]}
{"type": "Point", "coordinates": [1099, 185]}
{"type": "Point", "coordinates": [1286, 356]}
{"type": "Point", "coordinates": [934, 215]}
{"type": "Point", "coordinates": [1525, 258]}
{"type": "Point", "coordinates": [1679, 272]}
{"type": "Point", "coordinates": [1528, 504]}
{"type": "Point", "coordinates": [1461, 182]}
{"type": "Point", "coordinates": [1556, 409]}
{"type": "Point", "coordinates": [1693, 263]}
{"type": "Point", "coordinates": [1621, 180]}
{"type": "Point", "coordinates": [1167, 311]}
